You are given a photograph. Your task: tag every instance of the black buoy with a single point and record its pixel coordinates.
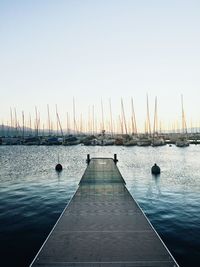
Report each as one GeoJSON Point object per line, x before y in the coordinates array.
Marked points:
{"type": "Point", "coordinates": [58, 167]}
{"type": "Point", "coordinates": [155, 169]}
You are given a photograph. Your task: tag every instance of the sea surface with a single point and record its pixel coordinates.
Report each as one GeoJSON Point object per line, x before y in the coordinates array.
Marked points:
{"type": "Point", "coordinates": [33, 195]}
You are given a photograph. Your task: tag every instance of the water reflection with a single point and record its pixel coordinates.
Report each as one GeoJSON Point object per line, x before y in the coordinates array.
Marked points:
{"type": "Point", "coordinates": [156, 179]}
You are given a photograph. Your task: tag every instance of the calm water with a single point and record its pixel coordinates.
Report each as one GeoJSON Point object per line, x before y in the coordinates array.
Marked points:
{"type": "Point", "coordinates": [32, 194]}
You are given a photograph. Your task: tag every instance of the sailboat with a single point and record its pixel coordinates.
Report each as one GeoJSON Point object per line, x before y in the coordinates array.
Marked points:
{"type": "Point", "coordinates": [145, 139]}
{"type": "Point", "coordinates": [156, 140]}
{"type": "Point", "coordinates": [133, 138]}
{"type": "Point", "coordinates": [182, 140]}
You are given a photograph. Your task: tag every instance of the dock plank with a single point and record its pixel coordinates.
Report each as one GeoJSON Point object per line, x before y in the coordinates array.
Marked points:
{"type": "Point", "coordinates": [103, 226]}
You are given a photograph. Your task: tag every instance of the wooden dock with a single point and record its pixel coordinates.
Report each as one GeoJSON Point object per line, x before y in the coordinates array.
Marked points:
{"type": "Point", "coordinates": [103, 226]}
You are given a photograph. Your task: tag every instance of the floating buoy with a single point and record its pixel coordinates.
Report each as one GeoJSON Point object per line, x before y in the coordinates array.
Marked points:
{"type": "Point", "coordinates": [155, 169]}
{"type": "Point", "coordinates": [58, 167]}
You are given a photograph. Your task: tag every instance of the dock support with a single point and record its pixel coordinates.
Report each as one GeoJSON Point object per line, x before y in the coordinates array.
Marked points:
{"type": "Point", "coordinates": [88, 159]}
{"type": "Point", "coordinates": [115, 158]}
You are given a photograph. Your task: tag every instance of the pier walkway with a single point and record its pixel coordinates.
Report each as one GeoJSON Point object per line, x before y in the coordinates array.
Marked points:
{"type": "Point", "coordinates": [103, 226]}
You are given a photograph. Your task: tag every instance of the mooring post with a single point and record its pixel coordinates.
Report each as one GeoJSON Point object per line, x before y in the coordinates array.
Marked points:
{"type": "Point", "coordinates": [88, 159]}
{"type": "Point", "coordinates": [115, 158]}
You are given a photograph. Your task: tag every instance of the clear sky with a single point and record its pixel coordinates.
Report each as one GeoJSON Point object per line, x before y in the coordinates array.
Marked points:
{"type": "Point", "coordinates": [52, 51]}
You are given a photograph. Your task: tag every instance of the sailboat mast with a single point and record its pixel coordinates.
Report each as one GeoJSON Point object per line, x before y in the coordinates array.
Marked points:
{"type": "Point", "coordinates": [111, 119]}
{"type": "Point", "coordinates": [81, 124]}
{"type": "Point", "coordinates": [184, 126]}
{"type": "Point", "coordinates": [2, 129]}
{"type": "Point", "coordinates": [58, 123]}
{"type": "Point", "coordinates": [160, 124]}
{"type": "Point", "coordinates": [88, 121]}
{"type": "Point", "coordinates": [123, 116]}
{"type": "Point", "coordinates": [102, 116]}
{"type": "Point", "coordinates": [155, 122]}
{"type": "Point", "coordinates": [182, 113]}
{"type": "Point", "coordinates": [36, 122]}
{"type": "Point", "coordinates": [93, 130]}
{"type": "Point", "coordinates": [30, 124]}
{"type": "Point", "coordinates": [121, 125]}
{"type": "Point", "coordinates": [16, 123]}
{"type": "Point", "coordinates": [74, 115]}
{"type": "Point", "coordinates": [133, 118]}
{"type": "Point", "coordinates": [148, 118]}
{"type": "Point", "coordinates": [49, 123]}
{"type": "Point", "coordinates": [68, 124]}
{"type": "Point", "coordinates": [11, 119]}
{"type": "Point", "coordinates": [23, 125]}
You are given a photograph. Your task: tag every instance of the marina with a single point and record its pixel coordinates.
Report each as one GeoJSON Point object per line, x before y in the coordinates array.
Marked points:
{"type": "Point", "coordinates": [103, 226]}
{"type": "Point", "coordinates": [103, 140]}
{"type": "Point", "coordinates": [93, 130]}
{"type": "Point", "coordinates": [99, 133]}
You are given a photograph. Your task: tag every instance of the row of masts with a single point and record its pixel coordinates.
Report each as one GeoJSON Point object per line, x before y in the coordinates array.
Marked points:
{"type": "Point", "coordinates": [91, 126]}
{"type": "Point", "coordinates": [77, 126]}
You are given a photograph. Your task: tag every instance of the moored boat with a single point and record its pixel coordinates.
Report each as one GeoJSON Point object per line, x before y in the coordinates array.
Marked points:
{"type": "Point", "coordinates": [158, 141]}
{"type": "Point", "coordinates": [182, 142]}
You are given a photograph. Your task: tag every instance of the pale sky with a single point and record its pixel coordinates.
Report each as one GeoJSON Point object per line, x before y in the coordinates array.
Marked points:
{"type": "Point", "coordinates": [52, 51]}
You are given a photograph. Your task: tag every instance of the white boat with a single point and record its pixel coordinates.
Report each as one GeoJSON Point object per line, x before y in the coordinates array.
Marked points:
{"type": "Point", "coordinates": [182, 142]}
{"type": "Point", "coordinates": [158, 141]}
{"type": "Point", "coordinates": [131, 142]}
{"type": "Point", "coordinates": [108, 142]}
{"type": "Point", "coordinates": [144, 142]}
